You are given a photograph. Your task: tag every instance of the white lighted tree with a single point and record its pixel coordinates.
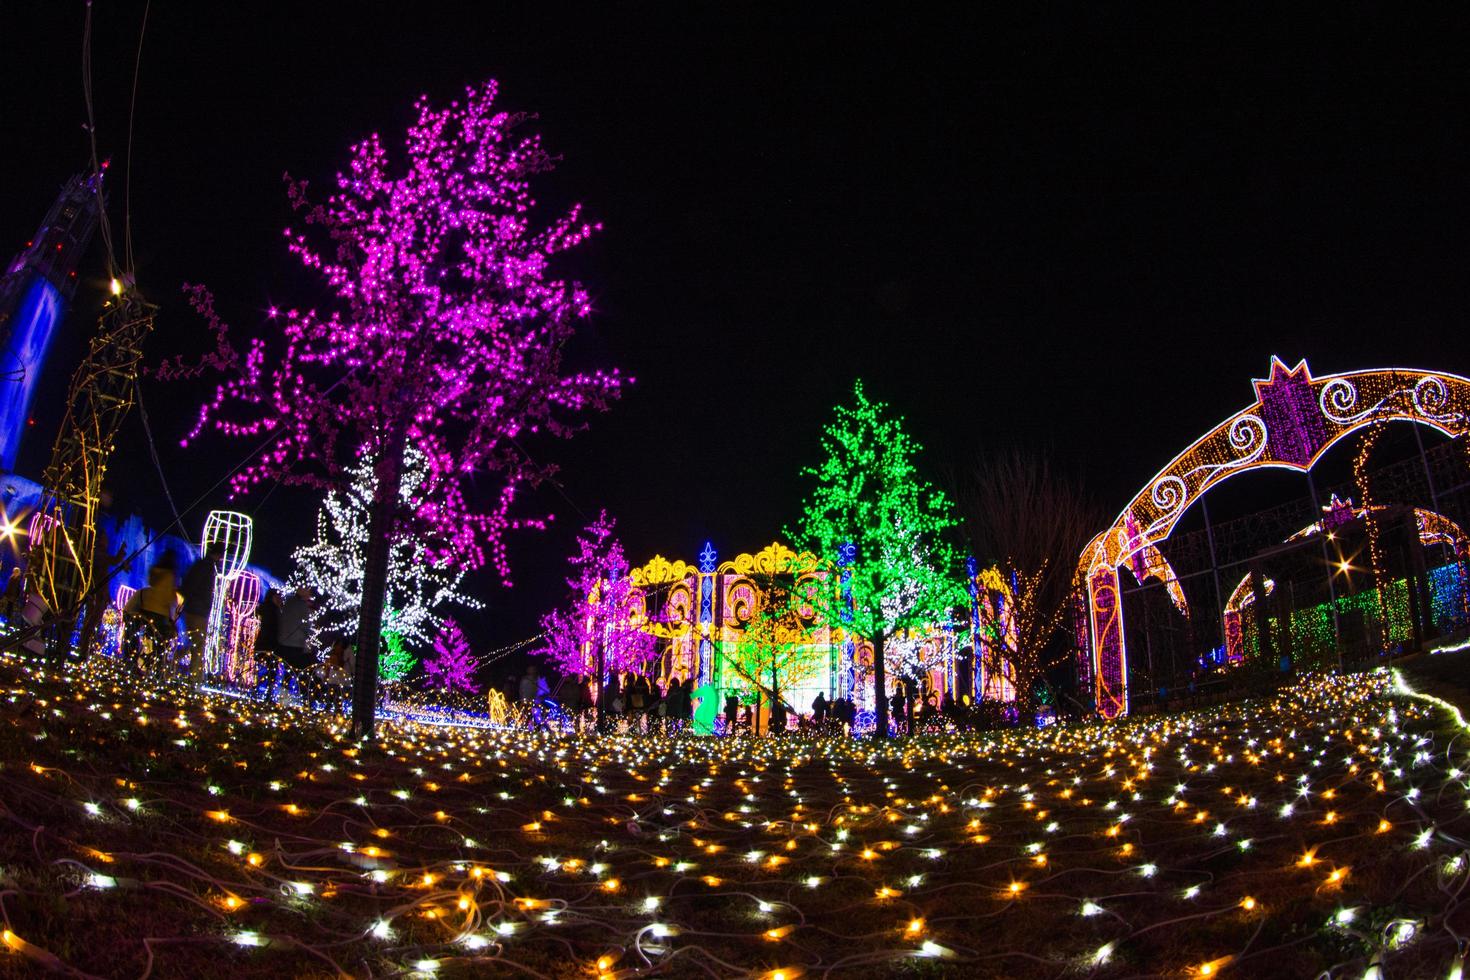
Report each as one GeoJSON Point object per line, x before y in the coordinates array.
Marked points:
{"type": "Point", "coordinates": [419, 589]}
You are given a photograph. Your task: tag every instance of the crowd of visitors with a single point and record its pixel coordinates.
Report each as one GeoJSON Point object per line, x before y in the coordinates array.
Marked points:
{"type": "Point", "coordinates": [635, 702]}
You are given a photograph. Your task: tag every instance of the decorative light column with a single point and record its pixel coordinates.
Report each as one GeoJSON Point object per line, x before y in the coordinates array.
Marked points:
{"type": "Point", "coordinates": [707, 564]}
{"type": "Point", "coordinates": [119, 603]}
{"type": "Point", "coordinates": [1111, 658]}
{"type": "Point", "coordinates": [977, 680]}
{"type": "Point", "coordinates": [847, 669]}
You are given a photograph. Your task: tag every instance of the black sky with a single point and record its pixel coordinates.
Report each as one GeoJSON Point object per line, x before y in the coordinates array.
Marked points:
{"type": "Point", "coordinates": [1043, 226]}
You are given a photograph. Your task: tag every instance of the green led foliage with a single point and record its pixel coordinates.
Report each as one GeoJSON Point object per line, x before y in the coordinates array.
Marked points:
{"type": "Point", "coordinates": [871, 509]}
{"type": "Point", "coordinates": [396, 661]}
{"type": "Point", "coordinates": [1313, 641]}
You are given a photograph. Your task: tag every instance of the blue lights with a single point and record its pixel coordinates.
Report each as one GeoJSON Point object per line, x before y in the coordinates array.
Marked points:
{"type": "Point", "coordinates": [35, 325]}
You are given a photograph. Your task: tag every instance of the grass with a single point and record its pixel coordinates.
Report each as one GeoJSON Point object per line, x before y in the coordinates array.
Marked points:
{"type": "Point", "coordinates": [157, 831]}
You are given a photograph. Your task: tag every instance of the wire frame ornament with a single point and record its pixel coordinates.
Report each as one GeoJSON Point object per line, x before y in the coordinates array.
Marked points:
{"type": "Point", "coordinates": [60, 560]}
{"type": "Point", "coordinates": [235, 532]}
{"type": "Point", "coordinates": [242, 625]}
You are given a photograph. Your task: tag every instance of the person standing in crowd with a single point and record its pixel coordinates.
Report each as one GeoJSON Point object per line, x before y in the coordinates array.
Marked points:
{"type": "Point", "coordinates": [819, 710]}
{"type": "Point", "coordinates": [334, 674]}
{"type": "Point", "coordinates": [14, 586]}
{"type": "Point", "coordinates": [847, 716]}
{"type": "Point", "coordinates": [530, 683]}
{"type": "Point", "coordinates": [529, 690]}
{"type": "Point", "coordinates": [610, 704]}
{"type": "Point", "coordinates": [584, 698]}
{"type": "Point", "coordinates": [778, 717]}
{"type": "Point", "coordinates": [198, 591]}
{"type": "Point", "coordinates": [150, 618]}
{"type": "Point", "coordinates": [732, 710]}
{"type": "Point", "coordinates": [267, 638]}
{"type": "Point", "coordinates": [670, 708]}
{"type": "Point", "coordinates": [895, 705]}
{"type": "Point", "coordinates": [637, 701]}
{"type": "Point", "coordinates": [683, 709]}
{"type": "Point", "coordinates": [293, 632]}
{"type": "Point", "coordinates": [569, 696]}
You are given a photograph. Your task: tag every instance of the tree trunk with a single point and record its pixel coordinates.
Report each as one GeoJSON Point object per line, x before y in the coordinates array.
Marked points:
{"type": "Point", "coordinates": [775, 696]}
{"type": "Point", "coordinates": [388, 471]}
{"type": "Point", "coordinates": [601, 705]}
{"type": "Point", "coordinates": [880, 689]}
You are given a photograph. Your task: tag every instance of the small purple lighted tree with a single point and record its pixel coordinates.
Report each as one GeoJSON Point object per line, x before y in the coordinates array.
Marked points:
{"type": "Point", "coordinates": [600, 631]}
{"type": "Point", "coordinates": [447, 333]}
{"type": "Point", "coordinates": [452, 668]}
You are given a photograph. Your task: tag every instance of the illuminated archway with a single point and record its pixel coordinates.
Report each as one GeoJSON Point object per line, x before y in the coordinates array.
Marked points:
{"type": "Point", "coordinates": [1293, 421]}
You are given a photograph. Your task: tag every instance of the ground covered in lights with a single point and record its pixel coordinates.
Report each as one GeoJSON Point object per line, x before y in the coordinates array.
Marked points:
{"type": "Point", "coordinates": [158, 832]}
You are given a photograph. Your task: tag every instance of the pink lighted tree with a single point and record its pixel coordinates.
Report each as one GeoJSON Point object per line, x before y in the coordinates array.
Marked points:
{"type": "Point", "coordinates": [451, 668]}
{"type": "Point", "coordinates": [447, 333]}
{"type": "Point", "coordinates": [600, 631]}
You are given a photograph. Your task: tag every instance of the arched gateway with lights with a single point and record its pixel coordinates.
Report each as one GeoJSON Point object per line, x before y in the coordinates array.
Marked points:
{"type": "Point", "coordinates": [1293, 421]}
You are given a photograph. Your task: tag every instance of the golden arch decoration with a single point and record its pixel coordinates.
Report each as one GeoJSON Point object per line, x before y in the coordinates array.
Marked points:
{"type": "Point", "coordinates": [774, 559]}
{"type": "Point", "coordinates": [1294, 419]}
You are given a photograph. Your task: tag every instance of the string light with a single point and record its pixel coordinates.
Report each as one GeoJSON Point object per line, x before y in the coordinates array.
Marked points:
{"type": "Point", "coordinates": [419, 588]}
{"type": "Point", "coordinates": [584, 879]}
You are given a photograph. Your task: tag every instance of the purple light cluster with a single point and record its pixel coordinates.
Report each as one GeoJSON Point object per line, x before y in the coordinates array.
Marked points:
{"type": "Point", "coordinates": [452, 667]}
{"type": "Point", "coordinates": [603, 610]}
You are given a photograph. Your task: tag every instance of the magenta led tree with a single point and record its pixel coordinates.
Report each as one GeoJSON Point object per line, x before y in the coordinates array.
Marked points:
{"type": "Point", "coordinates": [600, 631]}
{"type": "Point", "coordinates": [447, 332]}
{"type": "Point", "coordinates": [452, 668]}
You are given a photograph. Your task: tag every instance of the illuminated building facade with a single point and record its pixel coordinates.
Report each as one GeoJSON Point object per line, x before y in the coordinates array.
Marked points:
{"type": "Point", "coordinates": [699, 613]}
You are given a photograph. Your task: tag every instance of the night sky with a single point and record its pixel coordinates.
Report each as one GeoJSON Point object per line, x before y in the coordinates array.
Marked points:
{"type": "Point", "coordinates": [1038, 227]}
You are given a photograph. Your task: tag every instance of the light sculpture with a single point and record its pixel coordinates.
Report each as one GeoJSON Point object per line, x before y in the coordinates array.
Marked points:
{"type": "Point", "coordinates": [716, 643]}
{"type": "Point", "coordinates": [397, 661]}
{"type": "Point", "coordinates": [446, 331]}
{"type": "Point", "coordinates": [453, 666]}
{"type": "Point", "coordinates": [868, 494]}
{"type": "Point", "coordinates": [707, 560]}
{"type": "Point", "coordinates": [118, 626]}
{"type": "Point", "coordinates": [234, 531]}
{"type": "Point", "coordinates": [60, 563]}
{"type": "Point", "coordinates": [994, 633]}
{"type": "Point", "coordinates": [243, 624]}
{"type": "Point", "coordinates": [1293, 421]}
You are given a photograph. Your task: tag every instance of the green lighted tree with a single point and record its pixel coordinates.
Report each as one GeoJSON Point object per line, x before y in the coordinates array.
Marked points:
{"type": "Point", "coordinates": [888, 528]}
{"type": "Point", "coordinates": [397, 661]}
{"type": "Point", "coordinates": [775, 651]}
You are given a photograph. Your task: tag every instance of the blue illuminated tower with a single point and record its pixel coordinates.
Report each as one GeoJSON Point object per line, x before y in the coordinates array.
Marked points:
{"type": "Point", "coordinates": [34, 295]}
